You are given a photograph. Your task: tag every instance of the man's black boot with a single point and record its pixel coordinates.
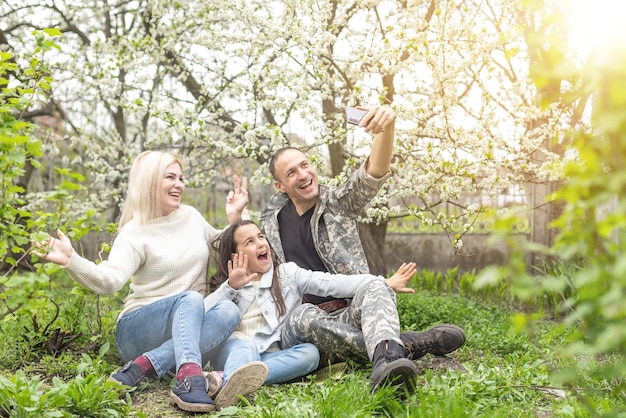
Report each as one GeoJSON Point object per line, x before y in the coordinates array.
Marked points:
{"type": "Point", "coordinates": [439, 340]}
{"type": "Point", "coordinates": [390, 366]}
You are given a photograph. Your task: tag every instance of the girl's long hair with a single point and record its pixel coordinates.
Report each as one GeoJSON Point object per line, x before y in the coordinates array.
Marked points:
{"type": "Point", "coordinates": [224, 246]}
{"type": "Point", "coordinates": [142, 202]}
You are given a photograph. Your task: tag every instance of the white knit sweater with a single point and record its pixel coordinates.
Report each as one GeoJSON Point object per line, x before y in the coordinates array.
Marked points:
{"type": "Point", "coordinates": [169, 255]}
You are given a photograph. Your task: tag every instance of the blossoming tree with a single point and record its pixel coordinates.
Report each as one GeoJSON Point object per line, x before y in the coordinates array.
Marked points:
{"type": "Point", "coordinates": [224, 81]}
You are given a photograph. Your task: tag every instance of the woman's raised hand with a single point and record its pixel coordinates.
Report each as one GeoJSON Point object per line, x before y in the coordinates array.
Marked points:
{"type": "Point", "coordinates": [237, 199]}
{"type": "Point", "coordinates": [58, 250]}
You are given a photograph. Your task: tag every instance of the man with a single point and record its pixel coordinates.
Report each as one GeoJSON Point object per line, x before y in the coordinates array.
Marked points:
{"type": "Point", "coordinates": [316, 227]}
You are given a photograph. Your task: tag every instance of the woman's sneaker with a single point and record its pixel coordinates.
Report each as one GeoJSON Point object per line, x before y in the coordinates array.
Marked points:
{"type": "Point", "coordinates": [244, 380]}
{"type": "Point", "coordinates": [129, 375]}
{"type": "Point", "coordinates": [190, 394]}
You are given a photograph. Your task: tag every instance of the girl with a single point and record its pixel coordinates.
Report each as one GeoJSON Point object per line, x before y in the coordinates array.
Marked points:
{"type": "Point", "coordinates": [266, 293]}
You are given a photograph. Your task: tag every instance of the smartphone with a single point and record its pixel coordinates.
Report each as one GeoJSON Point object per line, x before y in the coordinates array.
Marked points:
{"type": "Point", "coordinates": [354, 115]}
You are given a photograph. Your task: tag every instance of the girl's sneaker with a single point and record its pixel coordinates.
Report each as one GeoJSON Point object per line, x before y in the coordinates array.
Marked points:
{"type": "Point", "coordinates": [216, 380]}
{"type": "Point", "coordinates": [244, 380]}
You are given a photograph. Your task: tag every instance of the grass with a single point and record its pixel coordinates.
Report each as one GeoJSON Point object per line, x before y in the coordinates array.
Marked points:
{"type": "Point", "coordinates": [498, 373]}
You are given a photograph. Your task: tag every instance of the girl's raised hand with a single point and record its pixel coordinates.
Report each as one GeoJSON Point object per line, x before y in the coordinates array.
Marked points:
{"type": "Point", "coordinates": [402, 276]}
{"type": "Point", "coordinates": [238, 271]}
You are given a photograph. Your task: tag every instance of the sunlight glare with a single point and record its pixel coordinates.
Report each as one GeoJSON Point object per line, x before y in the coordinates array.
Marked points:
{"type": "Point", "coordinates": [596, 23]}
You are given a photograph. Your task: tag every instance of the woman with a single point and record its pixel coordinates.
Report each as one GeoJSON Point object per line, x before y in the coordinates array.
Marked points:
{"type": "Point", "coordinates": [266, 293]}
{"type": "Point", "coordinates": [163, 248]}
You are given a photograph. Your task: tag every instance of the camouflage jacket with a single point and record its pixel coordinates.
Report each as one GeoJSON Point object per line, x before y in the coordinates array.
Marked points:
{"type": "Point", "coordinates": [337, 242]}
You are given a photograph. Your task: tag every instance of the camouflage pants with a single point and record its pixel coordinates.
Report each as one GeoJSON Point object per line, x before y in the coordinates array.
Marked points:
{"type": "Point", "coordinates": [370, 318]}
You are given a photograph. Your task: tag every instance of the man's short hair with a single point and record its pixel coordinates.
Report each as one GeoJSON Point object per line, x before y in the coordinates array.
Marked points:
{"type": "Point", "coordinates": [275, 157]}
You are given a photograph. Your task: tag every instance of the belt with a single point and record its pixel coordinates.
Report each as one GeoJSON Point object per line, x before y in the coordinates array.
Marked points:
{"type": "Point", "coordinates": [333, 305]}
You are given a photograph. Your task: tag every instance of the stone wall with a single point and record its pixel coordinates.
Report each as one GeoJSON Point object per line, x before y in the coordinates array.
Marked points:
{"type": "Point", "coordinates": [434, 252]}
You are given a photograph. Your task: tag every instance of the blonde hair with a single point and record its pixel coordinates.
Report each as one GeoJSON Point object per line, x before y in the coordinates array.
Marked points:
{"type": "Point", "coordinates": [142, 202]}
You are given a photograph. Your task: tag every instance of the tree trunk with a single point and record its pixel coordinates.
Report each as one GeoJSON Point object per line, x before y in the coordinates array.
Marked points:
{"type": "Point", "coordinates": [373, 240]}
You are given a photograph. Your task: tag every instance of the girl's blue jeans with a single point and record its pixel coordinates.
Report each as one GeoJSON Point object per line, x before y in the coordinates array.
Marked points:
{"type": "Point", "coordinates": [283, 366]}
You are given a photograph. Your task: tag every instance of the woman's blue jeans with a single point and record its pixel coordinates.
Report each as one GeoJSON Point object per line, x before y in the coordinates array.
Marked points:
{"type": "Point", "coordinates": [175, 330]}
{"type": "Point", "coordinates": [283, 366]}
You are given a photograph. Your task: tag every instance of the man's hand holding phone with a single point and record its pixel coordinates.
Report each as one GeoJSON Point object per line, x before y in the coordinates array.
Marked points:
{"type": "Point", "coordinates": [378, 118]}
{"type": "Point", "coordinates": [354, 115]}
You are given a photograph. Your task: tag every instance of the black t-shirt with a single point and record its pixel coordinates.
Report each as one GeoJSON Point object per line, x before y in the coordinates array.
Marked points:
{"type": "Point", "coordinates": [298, 246]}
